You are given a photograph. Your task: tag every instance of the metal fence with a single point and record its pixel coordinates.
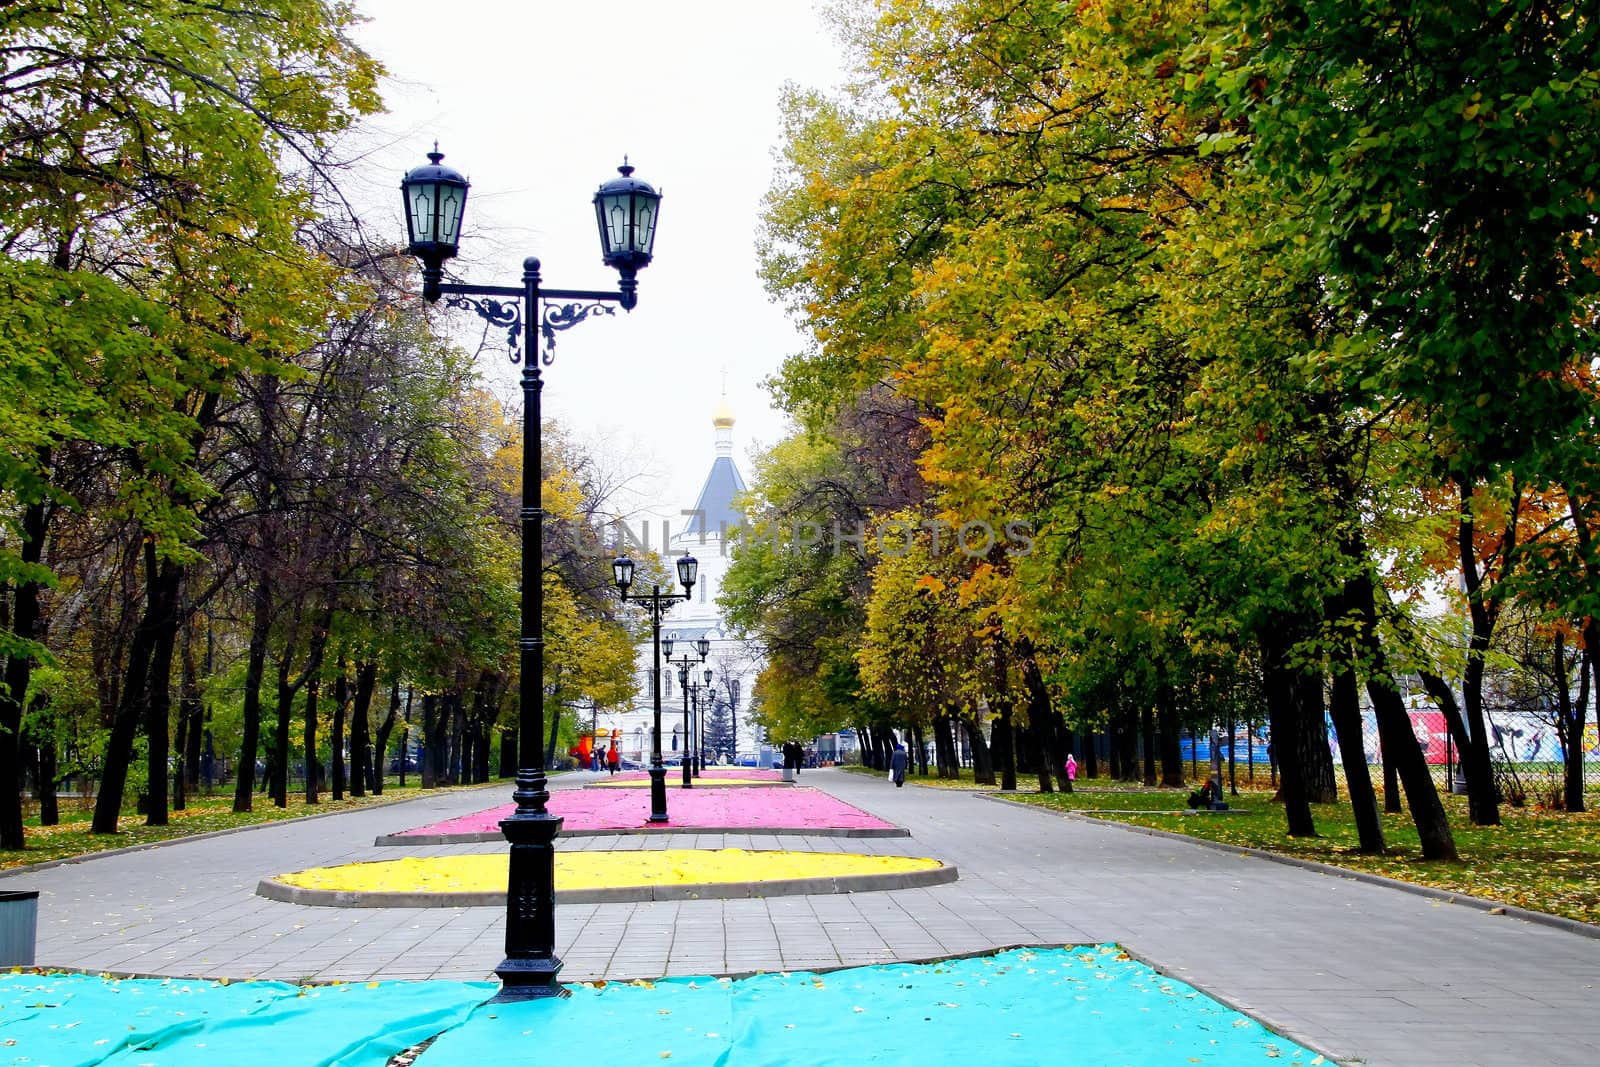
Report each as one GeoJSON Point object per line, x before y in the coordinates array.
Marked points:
{"type": "Point", "coordinates": [1525, 747]}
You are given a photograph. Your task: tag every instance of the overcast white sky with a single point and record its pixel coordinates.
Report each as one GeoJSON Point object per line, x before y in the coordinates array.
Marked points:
{"type": "Point", "coordinates": [536, 102]}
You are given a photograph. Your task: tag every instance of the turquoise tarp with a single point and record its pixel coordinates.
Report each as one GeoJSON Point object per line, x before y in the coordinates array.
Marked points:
{"type": "Point", "coordinates": [1092, 1006]}
{"type": "Point", "coordinates": [72, 1020]}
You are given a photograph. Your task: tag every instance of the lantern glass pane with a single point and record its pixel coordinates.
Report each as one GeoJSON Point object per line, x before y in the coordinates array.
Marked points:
{"type": "Point", "coordinates": [644, 224]}
{"type": "Point", "coordinates": [451, 199]}
{"type": "Point", "coordinates": [419, 211]}
{"type": "Point", "coordinates": [615, 213]}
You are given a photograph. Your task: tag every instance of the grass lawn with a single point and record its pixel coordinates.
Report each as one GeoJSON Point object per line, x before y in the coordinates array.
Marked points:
{"type": "Point", "coordinates": [1541, 860]}
{"type": "Point", "coordinates": [71, 836]}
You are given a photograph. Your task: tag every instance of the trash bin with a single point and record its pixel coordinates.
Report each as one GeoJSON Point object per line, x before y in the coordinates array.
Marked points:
{"type": "Point", "coordinates": [19, 927]}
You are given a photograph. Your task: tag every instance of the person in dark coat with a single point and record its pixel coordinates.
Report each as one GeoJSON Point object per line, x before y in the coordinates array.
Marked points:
{"type": "Point", "coordinates": [897, 764]}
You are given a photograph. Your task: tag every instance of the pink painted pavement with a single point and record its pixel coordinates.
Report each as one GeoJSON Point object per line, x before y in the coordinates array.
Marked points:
{"type": "Point", "coordinates": [754, 774]}
{"type": "Point", "coordinates": [624, 809]}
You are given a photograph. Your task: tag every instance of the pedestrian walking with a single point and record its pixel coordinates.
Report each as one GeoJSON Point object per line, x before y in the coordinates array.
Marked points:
{"type": "Point", "coordinates": [613, 758]}
{"type": "Point", "coordinates": [897, 765]}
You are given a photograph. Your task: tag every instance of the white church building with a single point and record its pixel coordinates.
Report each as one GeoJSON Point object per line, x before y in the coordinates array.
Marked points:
{"type": "Point", "coordinates": [705, 533]}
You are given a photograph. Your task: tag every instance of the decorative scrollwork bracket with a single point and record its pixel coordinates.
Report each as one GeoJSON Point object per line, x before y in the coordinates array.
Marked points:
{"type": "Point", "coordinates": [505, 314]}
{"type": "Point", "coordinates": [565, 317]}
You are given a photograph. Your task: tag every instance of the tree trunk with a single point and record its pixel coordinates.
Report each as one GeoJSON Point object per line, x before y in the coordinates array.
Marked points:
{"type": "Point", "coordinates": [180, 747]}
{"type": "Point", "coordinates": [1444, 698]}
{"type": "Point", "coordinates": [360, 722]}
{"type": "Point", "coordinates": [131, 707]}
{"type": "Point", "coordinates": [460, 741]}
{"type": "Point", "coordinates": [380, 747]}
{"type": "Point", "coordinates": [158, 707]}
{"type": "Point", "coordinates": [1147, 741]}
{"type": "Point", "coordinates": [308, 740]}
{"type": "Point", "coordinates": [278, 769]}
{"type": "Point", "coordinates": [1285, 713]}
{"type": "Point", "coordinates": [1316, 754]}
{"type": "Point", "coordinates": [1391, 788]}
{"type": "Point", "coordinates": [1395, 733]}
{"type": "Point", "coordinates": [1006, 744]}
{"type": "Point", "coordinates": [429, 768]}
{"type": "Point", "coordinates": [341, 707]}
{"type": "Point", "coordinates": [1483, 795]}
{"type": "Point", "coordinates": [508, 753]}
{"type": "Point", "coordinates": [18, 673]}
{"type": "Point", "coordinates": [1569, 725]}
{"type": "Point", "coordinates": [1170, 733]}
{"type": "Point", "coordinates": [190, 713]}
{"type": "Point", "coordinates": [982, 762]}
{"type": "Point", "coordinates": [255, 669]}
{"type": "Point", "coordinates": [1126, 739]}
{"type": "Point", "coordinates": [1038, 715]}
{"type": "Point", "coordinates": [1574, 781]}
{"type": "Point", "coordinates": [944, 748]}
{"type": "Point", "coordinates": [486, 711]}
{"type": "Point", "coordinates": [1346, 708]}
{"type": "Point", "coordinates": [1591, 647]}
{"type": "Point", "coordinates": [49, 806]}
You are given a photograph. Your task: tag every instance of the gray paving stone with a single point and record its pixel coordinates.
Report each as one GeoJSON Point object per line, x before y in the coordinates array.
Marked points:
{"type": "Point", "coordinates": [1364, 972]}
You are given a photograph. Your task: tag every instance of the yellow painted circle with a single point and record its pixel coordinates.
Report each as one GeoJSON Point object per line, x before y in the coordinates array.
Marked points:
{"type": "Point", "coordinates": [485, 873]}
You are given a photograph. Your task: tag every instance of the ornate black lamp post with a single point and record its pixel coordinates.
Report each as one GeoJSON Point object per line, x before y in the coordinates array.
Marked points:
{"type": "Point", "coordinates": [683, 663]}
{"type": "Point", "coordinates": [435, 198]}
{"type": "Point", "coordinates": [656, 603]}
{"type": "Point", "coordinates": [702, 709]}
{"type": "Point", "coordinates": [733, 716]}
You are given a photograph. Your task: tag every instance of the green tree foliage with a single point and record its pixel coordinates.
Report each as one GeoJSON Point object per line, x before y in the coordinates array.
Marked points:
{"type": "Point", "coordinates": [1141, 303]}
{"type": "Point", "coordinates": [143, 145]}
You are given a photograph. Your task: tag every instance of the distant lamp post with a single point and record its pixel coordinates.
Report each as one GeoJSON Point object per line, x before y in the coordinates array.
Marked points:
{"type": "Point", "coordinates": [701, 713]}
{"type": "Point", "coordinates": [683, 663]}
{"type": "Point", "coordinates": [733, 717]}
{"type": "Point", "coordinates": [657, 603]}
{"type": "Point", "coordinates": [435, 199]}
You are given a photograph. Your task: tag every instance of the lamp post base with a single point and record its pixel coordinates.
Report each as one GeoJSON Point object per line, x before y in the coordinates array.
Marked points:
{"type": "Point", "coordinates": [528, 979]}
{"type": "Point", "coordinates": [531, 965]}
{"type": "Point", "coordinates": [658, 793]}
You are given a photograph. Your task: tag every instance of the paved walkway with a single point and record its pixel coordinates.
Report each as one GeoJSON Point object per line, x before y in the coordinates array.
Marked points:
{"type": "Point", "coordinates": [1365, 973]}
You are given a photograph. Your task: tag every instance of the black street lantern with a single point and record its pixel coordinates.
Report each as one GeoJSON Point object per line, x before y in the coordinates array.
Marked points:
{"type": "Point", "coordinates": [622, 572]}
{"type": "Point", "coordinates": [435, 198]}
{"type": "Point", "coordinates": [688, 571]}
{"type": "Point", "coordinates": [657, 603]}
{"type": "Point", "coordinates": [626, 210]}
